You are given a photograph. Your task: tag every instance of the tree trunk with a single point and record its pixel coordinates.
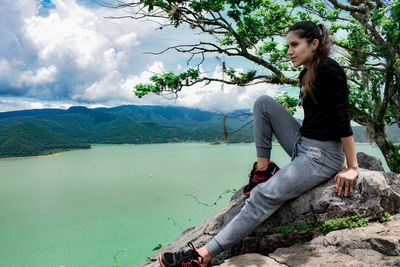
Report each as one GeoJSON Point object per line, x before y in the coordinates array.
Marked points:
{"type": "Point", "coordinates": [389, 150]}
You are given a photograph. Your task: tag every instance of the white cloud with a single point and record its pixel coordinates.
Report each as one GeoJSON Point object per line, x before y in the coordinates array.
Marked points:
{"type": "Point", "coordinates": [40, 76]}
{"type": "Point", "coordinates": [4, 67]}
{"type": "Point", "coordinates": [10, 104]}
{"type": "Point", "coordinates": [127, 40]}
{"type": "Point", "coordinates": [70, 33]}
{"type": "Point", "coordinates": [116, 89]}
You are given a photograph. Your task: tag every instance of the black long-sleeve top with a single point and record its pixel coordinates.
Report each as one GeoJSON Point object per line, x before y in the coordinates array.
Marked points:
{"type": "Point", "coordinates": [329, 118]}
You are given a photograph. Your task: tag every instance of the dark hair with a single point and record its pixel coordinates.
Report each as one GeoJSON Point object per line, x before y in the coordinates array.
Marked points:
{"type": "Point", "coordinates": [309, 30]}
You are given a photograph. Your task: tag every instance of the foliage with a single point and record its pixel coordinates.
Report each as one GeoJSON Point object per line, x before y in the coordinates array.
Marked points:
{"type": "Point", "coordinates": [157, 247]}
{"type": "Point", "coordinates": [169, 80]}
{"type": "Point", "coordinates": [288, 102]}
{"type": "Point", "coordinates": [28, 139]}
{"type": "Point", "coordinates": [288, 229]}
{"type": "Point", "coordinates": [154, 249]}
{"type": "Point", "coordinates": [366, 35]}
{"type": "Point", "coordinates": [386, 217]}
{"type": "Point", "coordinates": [327, 226]}
{"type": "Point", "coordinates": [340, 223]}
{"type": "Point", "coordinates": [394, 156]}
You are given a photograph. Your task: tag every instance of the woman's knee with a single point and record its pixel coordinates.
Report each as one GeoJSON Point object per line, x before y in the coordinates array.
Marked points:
{"type": "Point", "coordinates": [263, 100]}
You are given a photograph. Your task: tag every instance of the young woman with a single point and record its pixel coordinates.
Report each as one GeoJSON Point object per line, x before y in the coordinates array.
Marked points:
{"type": "Point", "coordinates": [317, 147]}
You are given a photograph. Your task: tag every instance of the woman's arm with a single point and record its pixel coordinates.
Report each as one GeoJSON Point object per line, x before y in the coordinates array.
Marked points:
{"type": "Point", "coordinates": [346, 177]}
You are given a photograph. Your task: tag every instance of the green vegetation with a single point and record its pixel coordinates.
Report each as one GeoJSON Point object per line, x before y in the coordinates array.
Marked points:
{"type": "Point", "coordinates": [288, 229]}
{"type": "Point", "coordinates": [327, 226]}
{"type": "Point", "coordinates": [386, 217]}
{"type": "Point", "coordinates": [28, 139]}
{"type": "Point", "coordinates": [341, 223]}
{"type": "Point", "coordinates": [330, 225]}
{"type": "Point", "coordinates": [157, 247]}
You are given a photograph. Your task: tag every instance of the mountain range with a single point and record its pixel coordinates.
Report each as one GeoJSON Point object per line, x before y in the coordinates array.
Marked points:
{"type": "Point", "coordinates": [78, 126]}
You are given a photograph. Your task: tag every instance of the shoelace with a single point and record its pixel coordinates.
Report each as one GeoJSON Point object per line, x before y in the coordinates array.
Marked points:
{"type": "Point", "coordinates": [257, 178]}
{"type": "Point", "coordinates": [186, 257]}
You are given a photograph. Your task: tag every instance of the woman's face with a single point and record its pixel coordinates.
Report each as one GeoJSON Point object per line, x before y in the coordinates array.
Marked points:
{"type": "Point", "coordinates": [299, 51]}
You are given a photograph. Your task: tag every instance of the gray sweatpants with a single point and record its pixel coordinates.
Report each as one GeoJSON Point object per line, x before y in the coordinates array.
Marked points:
{"type": "Point", "coordinates": [313, 162]}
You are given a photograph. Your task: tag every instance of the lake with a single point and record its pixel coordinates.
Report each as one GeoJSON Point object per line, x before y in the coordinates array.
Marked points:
{"type": "Point", "coordinates": [90, 207]}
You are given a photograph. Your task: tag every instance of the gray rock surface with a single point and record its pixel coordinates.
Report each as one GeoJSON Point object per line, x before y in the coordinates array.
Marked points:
{"type": "Point", "coordinates": [368, 162]}
{"type": "Point", "coordinates": [377, 244]}
{"type": "Point", "coordinates": [374, 193]}
{"type": "Point", "coordinates": [251, 260]}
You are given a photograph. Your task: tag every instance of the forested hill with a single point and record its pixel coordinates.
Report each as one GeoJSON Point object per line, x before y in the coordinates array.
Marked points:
{"type": "Point", "coordinates": [123, 124]}
{"type": "Point", "coordinates": [28, 139]}
{"type": "Point", "coordinates": [186, 118]}
{"type": "Point", "coordinates": [24, 131]}
{"type": "Point", "coordinates": [129, 124]}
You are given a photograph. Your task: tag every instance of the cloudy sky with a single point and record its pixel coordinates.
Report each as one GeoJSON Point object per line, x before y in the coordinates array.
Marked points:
{"type": "Point", "coordinates": [59, 53]}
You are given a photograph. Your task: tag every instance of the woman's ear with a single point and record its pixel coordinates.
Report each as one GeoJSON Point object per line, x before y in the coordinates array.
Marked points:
{"type": "Point", "coordinates": [315, 44]}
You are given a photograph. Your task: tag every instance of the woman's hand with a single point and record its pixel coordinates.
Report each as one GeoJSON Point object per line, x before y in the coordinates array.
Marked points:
{"type": "Point", "coordinates": [345, 178]}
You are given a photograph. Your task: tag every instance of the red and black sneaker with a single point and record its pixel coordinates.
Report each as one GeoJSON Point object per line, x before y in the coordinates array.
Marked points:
{"type": "Point", "coordinates": [258, 176]}
{"type": "Point", "coordinates": [189, 258]}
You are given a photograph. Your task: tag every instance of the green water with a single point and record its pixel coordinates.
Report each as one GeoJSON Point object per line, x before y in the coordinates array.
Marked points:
{"type": "Point", "coordinates": [83, 208]}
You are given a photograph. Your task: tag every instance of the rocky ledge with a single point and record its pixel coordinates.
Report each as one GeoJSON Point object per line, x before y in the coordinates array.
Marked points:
{"type": "Point", "coordinates": [374, 245]}
{"type": "Point", "coordinates": [375, 192]}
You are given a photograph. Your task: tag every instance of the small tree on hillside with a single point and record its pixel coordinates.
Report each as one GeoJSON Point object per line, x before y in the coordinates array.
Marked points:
{"type": "Point", "coordinates": [366, 34]}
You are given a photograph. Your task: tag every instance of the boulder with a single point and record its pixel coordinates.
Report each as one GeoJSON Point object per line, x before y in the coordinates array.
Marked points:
{"type": "Point", "coordinates": [368, 162]}
{"type": "Point", "coordinates": [377, 244]}
{"type": "Point", "coordinates": [374, 193]}
{"type": "Point", "coordinates": [251, 260]}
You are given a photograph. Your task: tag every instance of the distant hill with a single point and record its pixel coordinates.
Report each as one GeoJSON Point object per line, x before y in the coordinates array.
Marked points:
{"type": "Point", "coordinates": [186, 118]}
{"type": "Point", "coordinates": [130, 124]}
{"type": "Point", "coordinates": [28, 139]}
{"type": "Point", "coordinates": [126, 124]}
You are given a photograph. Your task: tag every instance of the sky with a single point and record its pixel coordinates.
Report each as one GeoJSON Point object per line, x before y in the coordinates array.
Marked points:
{"type": "Point", "coordinates": [62, 53]}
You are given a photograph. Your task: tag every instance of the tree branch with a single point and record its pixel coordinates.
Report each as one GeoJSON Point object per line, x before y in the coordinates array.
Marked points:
{"type": "Point", "coordinates": [348, 8]}
{"type": "Point", "coordinates": [364, 70]}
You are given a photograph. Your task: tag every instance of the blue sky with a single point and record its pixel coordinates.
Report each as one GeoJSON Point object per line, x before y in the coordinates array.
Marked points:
{"type": "Point", "coordinates": [59, 53]}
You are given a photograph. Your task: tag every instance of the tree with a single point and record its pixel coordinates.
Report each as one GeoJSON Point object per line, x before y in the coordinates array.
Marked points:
{"type": "Point", "coordinates": [366, 34]}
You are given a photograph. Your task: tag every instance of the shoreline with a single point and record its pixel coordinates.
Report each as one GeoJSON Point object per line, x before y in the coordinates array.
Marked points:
{"type": "Point", "coordinates": [209, 143]}
{"type": "Point", "coordinates": [48, 155]}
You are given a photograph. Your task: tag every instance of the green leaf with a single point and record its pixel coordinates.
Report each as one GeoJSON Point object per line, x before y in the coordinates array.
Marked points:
{"type": "Point", "coordinates": [157, 247]}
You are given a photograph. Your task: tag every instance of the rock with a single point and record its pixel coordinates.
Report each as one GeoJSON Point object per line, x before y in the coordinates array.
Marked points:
{"type": "Point", "coordinates": [251, 260]}
{"type": "Point", "coordinates": [393, 180]}
{"type": "Point", "coordinates": [371, 197]}
{"type": "Point", "coordinates": [369, 162]}
{"type": "Point", "coordinates": [374, 245]}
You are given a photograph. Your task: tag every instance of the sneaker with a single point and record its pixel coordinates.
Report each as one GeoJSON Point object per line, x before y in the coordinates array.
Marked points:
{"type": "Point", "coordinates": [260, 176]}
{"type": "Point", "coordinates": [188, 258]}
